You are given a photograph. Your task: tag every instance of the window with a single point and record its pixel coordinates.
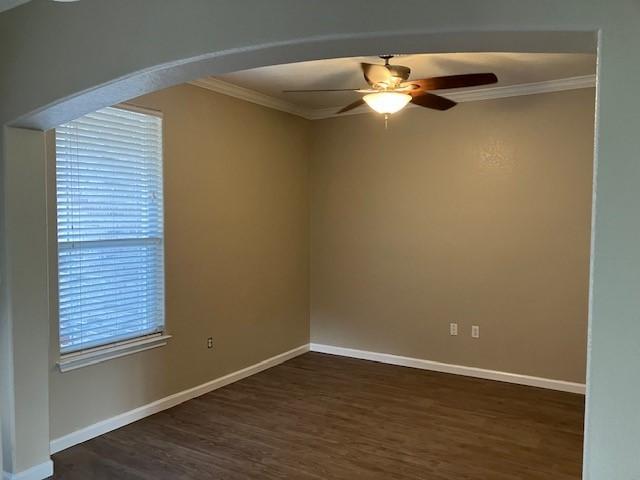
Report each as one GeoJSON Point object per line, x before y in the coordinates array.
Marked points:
{"type": "Point", "coordinates": [110, 229]}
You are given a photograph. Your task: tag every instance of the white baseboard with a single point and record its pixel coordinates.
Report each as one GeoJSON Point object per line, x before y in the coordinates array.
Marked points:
{"type": "Point", "coordinates": [100, 428]}
{"type": "Point", "coordinates": [551, 384]}
{"type": "Point", "coordinates": [39, 472]}
{"type": "Point", "coordinates": [58, 444]}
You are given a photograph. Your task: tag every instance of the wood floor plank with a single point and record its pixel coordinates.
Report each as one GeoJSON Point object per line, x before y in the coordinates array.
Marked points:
{"type": "Point", "coordinates": [325, 417]}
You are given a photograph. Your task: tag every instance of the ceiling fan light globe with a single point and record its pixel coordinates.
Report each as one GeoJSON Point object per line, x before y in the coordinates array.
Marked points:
{"type": "Point", "coordinates": [387, 102]}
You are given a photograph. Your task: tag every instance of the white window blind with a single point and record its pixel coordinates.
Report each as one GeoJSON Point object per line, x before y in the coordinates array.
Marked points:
{"type": "Point", "coordinates": [110, 228]}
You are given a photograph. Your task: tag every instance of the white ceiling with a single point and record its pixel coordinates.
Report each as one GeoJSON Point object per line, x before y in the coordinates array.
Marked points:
{"type": "Point", "coordinates": [511, 69]}
{"type": "Point", "coordinates": [8, 4]}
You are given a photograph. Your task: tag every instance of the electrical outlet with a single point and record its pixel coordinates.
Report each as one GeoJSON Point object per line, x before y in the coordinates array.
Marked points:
{"type": "Point", "coordinates": [475, 331]}
{"type": "Point", "coordinates": [210, 342]}
{"type": "Point", "coordinates": [453, 329]}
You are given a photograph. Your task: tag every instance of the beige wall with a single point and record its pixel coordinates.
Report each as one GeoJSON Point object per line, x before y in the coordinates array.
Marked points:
{"type": "Point", "coordinates": [479, 215]}
{"type": "Point", "coordinates": [236, 243]}
{"type": "Point", "coordinates": [55, 74]}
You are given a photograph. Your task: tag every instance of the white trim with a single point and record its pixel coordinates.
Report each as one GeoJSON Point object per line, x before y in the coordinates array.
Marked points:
{"type": "Point", "coordinates": [467, 95]}
{"type": "Point", "coordinates": [100, 428]}
{"type": "Point", "coordinates": [105, 426]}
{"type": "Point", "coordinates": [138, 109]}
{"type": "Point", "coordinates": [550, 384]}
{"type": "Point", "coordinates": [39, 472]}
{"type": "Point", "coordinates": [73, 361]}
{"type": "Point", "coordinates": [252, 96]}
{"type": "Point", "coordinates": [490, 93]}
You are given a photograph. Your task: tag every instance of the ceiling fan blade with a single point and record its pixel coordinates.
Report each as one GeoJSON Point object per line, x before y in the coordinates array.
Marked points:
{"type": "Point", "coordinates": [374, 73]}
{"type": "Point", "coordinates": [429, 100]}
{"type": "Point", "coordinates": [454, 81]}
{"type": "Point", "coordinates": [351, 106]}
{"type": "Point", "coordinates": [399, 71]}
{"type": "Point", "coordinates": [324, 90]}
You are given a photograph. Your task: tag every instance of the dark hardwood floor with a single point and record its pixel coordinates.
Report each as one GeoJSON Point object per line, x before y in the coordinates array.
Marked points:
{"type": "Point", "coordinates": [324, 417]}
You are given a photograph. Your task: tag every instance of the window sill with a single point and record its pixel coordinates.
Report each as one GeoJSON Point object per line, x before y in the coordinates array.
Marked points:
{"type": "Point", "coordinates": [73, 361]}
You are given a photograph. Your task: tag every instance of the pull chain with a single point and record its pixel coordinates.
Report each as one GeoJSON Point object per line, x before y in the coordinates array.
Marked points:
{"type": "Point", "coordinates": [386, 121]}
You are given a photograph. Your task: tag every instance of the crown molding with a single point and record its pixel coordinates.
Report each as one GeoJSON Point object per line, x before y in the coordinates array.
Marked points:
{"type": "Point", "coordinates": [469, 95]}
{"type": "Point", "coordinates": [490, 93]}
{"type": "Point", "coordinates": [252, 96]}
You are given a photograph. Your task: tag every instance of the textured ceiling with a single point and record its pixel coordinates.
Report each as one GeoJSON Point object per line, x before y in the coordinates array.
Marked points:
{"type": "Point", "coordinates": [511, 69]}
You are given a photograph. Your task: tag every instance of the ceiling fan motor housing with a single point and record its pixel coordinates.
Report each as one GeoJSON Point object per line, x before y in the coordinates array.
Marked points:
{"type": "Point", "coordinates": [390, 91]}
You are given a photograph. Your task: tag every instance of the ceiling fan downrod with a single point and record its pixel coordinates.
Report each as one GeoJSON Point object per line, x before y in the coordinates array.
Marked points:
{"type": "Point", "coordinates": [390, 89]}
{"type": "Point", "coordinates": [386, 59]}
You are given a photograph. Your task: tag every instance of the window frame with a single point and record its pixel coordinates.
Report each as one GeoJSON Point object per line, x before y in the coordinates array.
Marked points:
{"type": "Point", "coordinates": [92, 355]}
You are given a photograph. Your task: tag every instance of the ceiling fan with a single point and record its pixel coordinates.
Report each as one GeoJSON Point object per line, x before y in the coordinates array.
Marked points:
{"type": "Point", "coordinates": [390, 89]}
